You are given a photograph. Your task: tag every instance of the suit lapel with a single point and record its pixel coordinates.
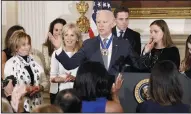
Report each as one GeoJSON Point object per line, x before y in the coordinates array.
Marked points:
{"type": "Point", "coordinates": [97, 53]}
{"type": "Point", "coordinates": [114, 52]}
{"type": "Point", "coordinates": [114, 31]}
{"type": "Point", "coordinates": [125, 36]}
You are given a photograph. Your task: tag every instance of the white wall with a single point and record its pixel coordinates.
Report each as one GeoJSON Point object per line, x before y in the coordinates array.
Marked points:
{"type": "Point", "coordinates": [180, 28]}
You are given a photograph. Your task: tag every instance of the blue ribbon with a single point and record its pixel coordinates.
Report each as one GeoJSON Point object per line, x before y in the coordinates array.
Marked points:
{"type": "Point", "coordinates": [108, 44]}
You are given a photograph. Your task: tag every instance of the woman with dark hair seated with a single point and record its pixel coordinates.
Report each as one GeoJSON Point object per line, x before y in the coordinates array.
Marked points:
{"type": "Point", "coordinates": [165, 91]}
{"type": "Point", "coordinates": [95, 87]}
{"type": "Point", "coordinates": [69, 101]}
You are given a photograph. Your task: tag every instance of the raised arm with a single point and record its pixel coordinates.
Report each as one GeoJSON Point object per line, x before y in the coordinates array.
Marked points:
{"type": "Point", "coordinates": [74, 61]}
{"type": "Point", "coordinates": [62, 57]}
{"type": "Point", "coordinates": [137, 61]}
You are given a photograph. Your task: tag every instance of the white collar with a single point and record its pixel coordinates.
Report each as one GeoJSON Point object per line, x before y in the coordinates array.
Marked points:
{"type": "Point", "coordinates": [118, 31]}
{"type": "Point", "coordinates": [107, 37]}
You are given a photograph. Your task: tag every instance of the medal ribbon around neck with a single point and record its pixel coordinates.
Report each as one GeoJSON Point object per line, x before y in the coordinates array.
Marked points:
{"type": "Point", "coordinates": [107, 44]}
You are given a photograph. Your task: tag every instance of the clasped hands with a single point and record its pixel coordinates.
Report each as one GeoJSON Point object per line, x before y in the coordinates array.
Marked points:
{"type": "Point", "coordinates": [31, 90]}
{"type": "Point", "coordinates": [58, 79]}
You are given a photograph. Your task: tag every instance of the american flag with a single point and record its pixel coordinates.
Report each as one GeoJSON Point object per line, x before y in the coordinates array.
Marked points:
{"type": "Point", "coordinates": [98, 5]}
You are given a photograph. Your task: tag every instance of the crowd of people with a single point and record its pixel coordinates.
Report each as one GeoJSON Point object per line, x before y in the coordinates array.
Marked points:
{"type": "Point", "coordinates": [80, 76]}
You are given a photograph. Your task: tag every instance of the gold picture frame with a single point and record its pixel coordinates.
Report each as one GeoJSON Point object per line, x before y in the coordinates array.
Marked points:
{"type": "Point", "coordinates": [151, 13]}
{"type": "Point", "coordinates": [140, 9]}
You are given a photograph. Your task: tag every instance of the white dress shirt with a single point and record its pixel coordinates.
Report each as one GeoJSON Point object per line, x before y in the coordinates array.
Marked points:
{"type": "Point", "coordinates": [109, 49]}
{"type": "Point", "coordinates": [118, 32]}
{"type": "Point", "coordinates": [56, 69]}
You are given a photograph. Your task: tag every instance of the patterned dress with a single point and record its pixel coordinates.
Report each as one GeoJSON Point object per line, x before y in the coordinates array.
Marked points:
{"type": "Point", "coordinates": [17, 66]}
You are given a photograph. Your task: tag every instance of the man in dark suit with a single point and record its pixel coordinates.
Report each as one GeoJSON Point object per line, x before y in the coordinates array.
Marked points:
{"type": "Point", "coordinates": [105, 48]}
{"type": "Point", "coordinates": [122, 31]}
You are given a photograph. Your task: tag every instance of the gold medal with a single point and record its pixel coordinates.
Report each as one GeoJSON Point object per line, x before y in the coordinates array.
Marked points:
{"type": "Point", "coordinates": [104, 51]}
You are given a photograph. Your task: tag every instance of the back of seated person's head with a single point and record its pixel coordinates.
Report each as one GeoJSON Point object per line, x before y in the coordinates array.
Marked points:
{"type": "Point", "coordinates": [6, 107]}
{"type": "Point", "coordinates": [47, 108]}
{"type": "Point", "coordinates": [93, 81]}
{"type": "Point", "coordinates": [69, 101]}
{"type": "Point", "coordinates": [165, 87]}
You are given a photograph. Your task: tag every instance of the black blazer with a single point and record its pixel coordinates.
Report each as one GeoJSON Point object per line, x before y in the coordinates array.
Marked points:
{"type": "Point", "coordinates": [133, 37]}
{"type": "Point", "coordinates": [91, 51]}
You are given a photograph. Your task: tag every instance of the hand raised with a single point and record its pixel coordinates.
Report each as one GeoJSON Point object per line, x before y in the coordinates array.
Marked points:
{"type": "Point", "coordinates": [149, 46]}
{"type": "Point", "coordinates": [56, 41]}
{"type": "Point", "coordinates": [117, 85]}
{"type": "Point", "coordinates": [69, 77]}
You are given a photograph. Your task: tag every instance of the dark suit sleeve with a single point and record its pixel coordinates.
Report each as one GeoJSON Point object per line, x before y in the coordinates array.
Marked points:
{"type": "Point", "coordinates": [137, 61]}
{"type": "Point", "coordinates": [138, 43]}
{"type": "Point", "coordinates": [74, 61]}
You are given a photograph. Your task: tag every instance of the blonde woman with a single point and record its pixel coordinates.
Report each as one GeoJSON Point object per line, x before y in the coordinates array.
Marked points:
{"type": "Point", "coordinates": [26, 70]}
{"type": "Point", "coordinates": [61, 78]}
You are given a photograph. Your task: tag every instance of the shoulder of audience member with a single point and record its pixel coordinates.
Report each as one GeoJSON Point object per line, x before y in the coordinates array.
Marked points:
{"type": "Point", "coordinates": [112, 106]}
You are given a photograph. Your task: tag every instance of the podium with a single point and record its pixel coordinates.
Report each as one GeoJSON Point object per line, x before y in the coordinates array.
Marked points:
{"type": "Point", "coordinates": [127, 91]}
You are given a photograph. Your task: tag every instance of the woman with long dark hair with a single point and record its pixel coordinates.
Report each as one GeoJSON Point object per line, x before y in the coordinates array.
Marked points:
{"type": "Point", "coordinates": [160, 47]}
{"type": "Point", "coordinates": [96, 89]}
{"type": "Point", "coordinates": [47, 49]}
{"type": "Point", "coordinates": [186, 63]}
{"type": "Point", "coordinates": [165, 91]}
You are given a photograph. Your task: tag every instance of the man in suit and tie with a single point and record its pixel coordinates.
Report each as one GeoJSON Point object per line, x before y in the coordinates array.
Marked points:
{"type": "Point", "coordinates": [122, 31]}
{"type": "Point", "coordinates": [104, 48]}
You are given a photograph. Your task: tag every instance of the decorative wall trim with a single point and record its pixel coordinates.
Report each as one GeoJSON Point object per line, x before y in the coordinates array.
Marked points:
{"type": "Point", "coordinates": [150, 13]}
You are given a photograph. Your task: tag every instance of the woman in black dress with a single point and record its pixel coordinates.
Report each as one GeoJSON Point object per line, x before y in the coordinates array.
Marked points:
{"type": "Point", "coordinates": [160, 46]}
